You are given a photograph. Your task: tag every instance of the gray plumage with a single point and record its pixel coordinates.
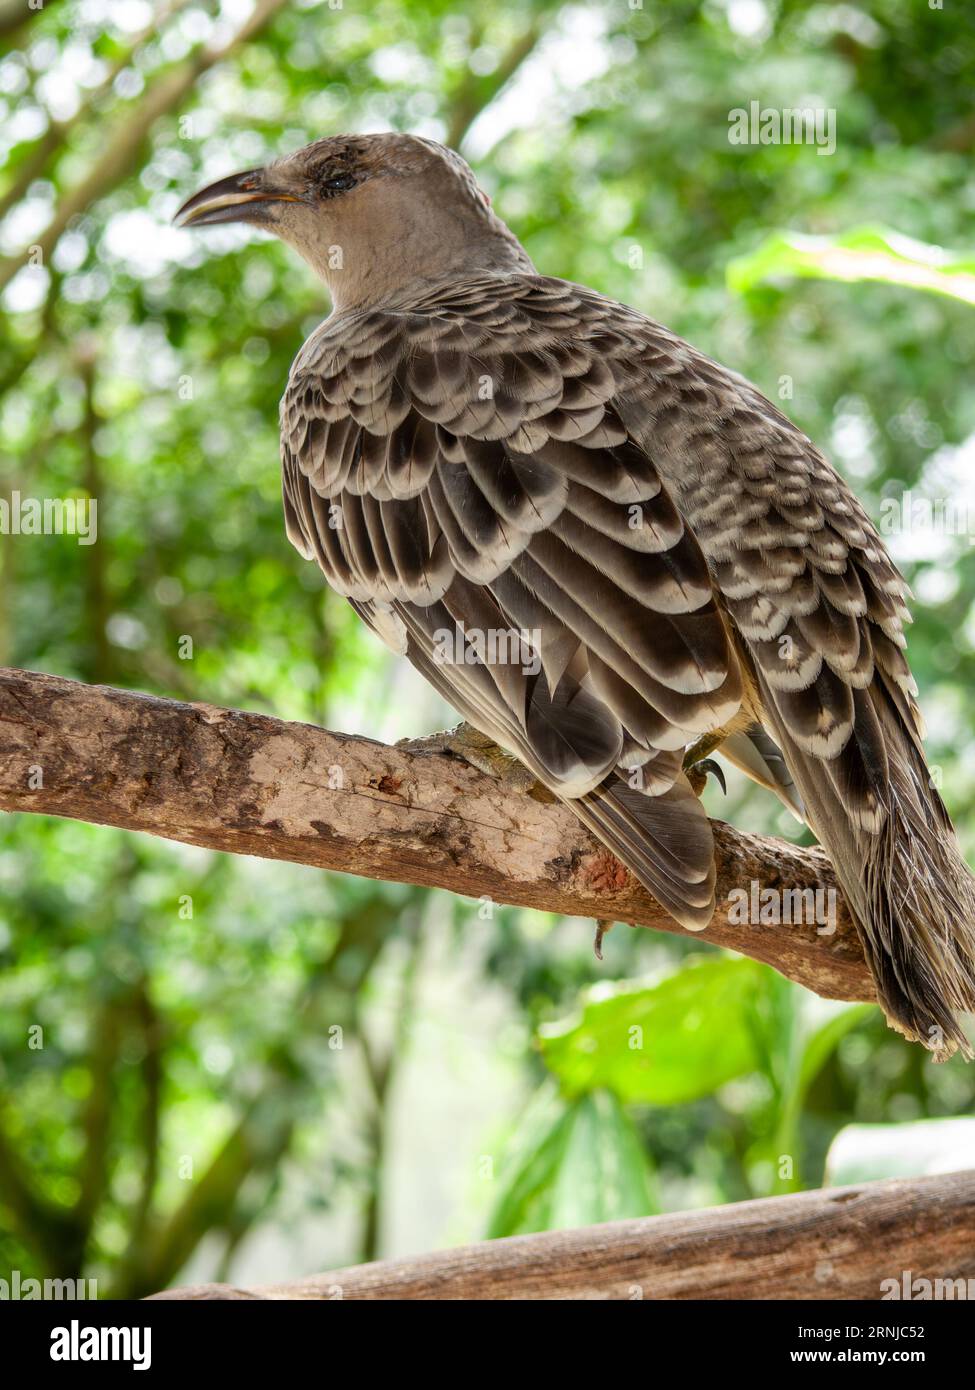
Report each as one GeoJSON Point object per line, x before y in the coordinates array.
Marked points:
{"type": "Point", "coordinates": [468, 444]}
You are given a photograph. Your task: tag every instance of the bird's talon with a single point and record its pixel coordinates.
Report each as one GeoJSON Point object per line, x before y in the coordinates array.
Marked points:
{"type": "Point", "coordinates": [716, 771]}
{"type": "Point", "coordinates": [602, 927]}
{"type": "Point", "coordinates": [481, 752]}
{"type": "Point", "coordinates": [697, 775]}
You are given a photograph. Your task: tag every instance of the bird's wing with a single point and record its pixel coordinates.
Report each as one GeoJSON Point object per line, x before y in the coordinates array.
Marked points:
{"type": "Point", "coordinates": [458, 471]}
{"type": "Point", "coordinates": [818, 609]}
{"type": "Point", "coordinates": [812, 595]}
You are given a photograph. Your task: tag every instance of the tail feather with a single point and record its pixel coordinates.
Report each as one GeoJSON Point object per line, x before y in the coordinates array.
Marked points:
{"type": "Point", "coordinates": [919, 915]}
{"type": "Point", "coordinates": [899, 864]}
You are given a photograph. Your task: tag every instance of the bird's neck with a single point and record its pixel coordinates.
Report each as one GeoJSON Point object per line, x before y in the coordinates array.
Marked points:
{"type": "Point", "coordinates": [406, 244]}
{"type": "Point", "coordinates": [390, 275]}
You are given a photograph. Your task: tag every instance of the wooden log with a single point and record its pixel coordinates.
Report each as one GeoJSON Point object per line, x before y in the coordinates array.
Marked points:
{"type": "Point", "coordinates": [835, 1243]}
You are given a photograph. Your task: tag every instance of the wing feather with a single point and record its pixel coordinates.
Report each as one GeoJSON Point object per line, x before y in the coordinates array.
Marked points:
{"type": "Point", "coordinates": [485, 483]}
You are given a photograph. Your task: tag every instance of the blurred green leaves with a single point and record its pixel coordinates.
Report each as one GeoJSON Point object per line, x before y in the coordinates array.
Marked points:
{"type": "Point", "coordinates": [865, 253]}
{"type": "Point", "coordinates": [715, 1021]}
{"type": "Point", "coordinates": [672, 1042]}
{"type": "Point", "coordinates": [575, 1164]}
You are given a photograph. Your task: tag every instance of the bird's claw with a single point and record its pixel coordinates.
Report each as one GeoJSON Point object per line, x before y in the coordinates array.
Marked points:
{"type": "Point", "coordinates": [697, 775]}
{"type": "Point", "coordinates": [602, 927]}
{"type": "Point", "coordinates": [477, 750]}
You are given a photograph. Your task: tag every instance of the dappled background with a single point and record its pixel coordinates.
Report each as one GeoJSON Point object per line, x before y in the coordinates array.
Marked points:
{"type": "Point", "coordinates": [213, 1067]}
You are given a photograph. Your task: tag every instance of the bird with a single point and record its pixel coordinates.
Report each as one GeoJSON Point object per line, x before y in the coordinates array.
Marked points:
{"type": "Point", "coordinates": [471, 448]}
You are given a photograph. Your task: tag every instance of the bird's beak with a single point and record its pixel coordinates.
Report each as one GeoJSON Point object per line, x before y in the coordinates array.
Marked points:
{"type": "Point", "coordinates": [231, 200]}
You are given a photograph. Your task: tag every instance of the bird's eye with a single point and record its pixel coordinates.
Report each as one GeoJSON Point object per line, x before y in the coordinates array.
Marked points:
{"type": "Point", "coordinates": [339, 183]}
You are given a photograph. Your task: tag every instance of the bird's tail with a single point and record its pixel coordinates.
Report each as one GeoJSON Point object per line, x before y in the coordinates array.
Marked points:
{"type": "Point", "coordinates": [900, 867]}
{"type": "Point", "coordinates": [915, 905]}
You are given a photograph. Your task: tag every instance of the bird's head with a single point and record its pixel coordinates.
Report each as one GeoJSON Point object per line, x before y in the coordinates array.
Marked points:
{"type": "Point", "coordinates": [371, 214]}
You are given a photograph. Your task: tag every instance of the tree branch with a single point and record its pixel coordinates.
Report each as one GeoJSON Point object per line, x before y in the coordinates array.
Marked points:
{"type": "Point", "coordinates": [249, 784]}
{"type": "Point", "coordinates": [58, 133]}
{"type": "Point", "coordinates": [15, 15]}
{"type": "Point", "coordinates": [124, 139]}
{"type": "Point", "coordinates": [835, 1243]}
{"type": "Point", "coordinates": [475, 94]}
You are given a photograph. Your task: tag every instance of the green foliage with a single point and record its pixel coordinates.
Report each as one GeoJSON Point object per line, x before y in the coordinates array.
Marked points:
{"type": "Point", "coordinates": [866, 253]}
{"type": "Point", "coordinates": [684, 1038]}
{"type": "Point", "coordinates": [308, 1070]}
{"type": "Point", "coordinates": [656, 1045]}
{"type": "Point", "coordinates": [575, 1164]}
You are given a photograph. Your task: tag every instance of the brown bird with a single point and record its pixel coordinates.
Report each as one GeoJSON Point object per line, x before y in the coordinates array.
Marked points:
{"type": "Point", "coordinates": [475, 453]}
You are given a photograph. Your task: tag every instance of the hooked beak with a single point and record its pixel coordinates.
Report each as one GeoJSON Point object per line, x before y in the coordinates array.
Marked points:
{"type": "Point", "coordinates": [231, 199]}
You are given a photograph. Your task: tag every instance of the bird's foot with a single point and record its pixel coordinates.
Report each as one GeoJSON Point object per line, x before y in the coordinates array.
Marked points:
{"type": "Point", "coordinates": [697, 775]}
{"type": "Point", "coordinates": [475, 748]}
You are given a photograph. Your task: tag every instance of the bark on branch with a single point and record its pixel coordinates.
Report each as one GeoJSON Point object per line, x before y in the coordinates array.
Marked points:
{"type": "Point", "coordinates": [248, 784]}
{"type": "Point", "coordinates": [836, 1243]}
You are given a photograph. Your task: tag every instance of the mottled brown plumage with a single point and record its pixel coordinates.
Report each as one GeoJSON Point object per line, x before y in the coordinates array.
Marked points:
{"type": "Point", "coordinates": [468, 444]}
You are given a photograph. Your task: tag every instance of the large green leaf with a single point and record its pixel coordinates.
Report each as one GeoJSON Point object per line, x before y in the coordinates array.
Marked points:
{"type": "Point", "coordinates": [663, 1044]}
{"type": "Point", "coordinates": [816, 1028]}
{"type": "Point", "coordinates": [865, 253]}
{"type": "Point", "coordinates": [863, 1153]}
{"type": "Point", "coordinates": [530, 1165]}
{"type": "Point", "coordinates": [575, 1163]}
